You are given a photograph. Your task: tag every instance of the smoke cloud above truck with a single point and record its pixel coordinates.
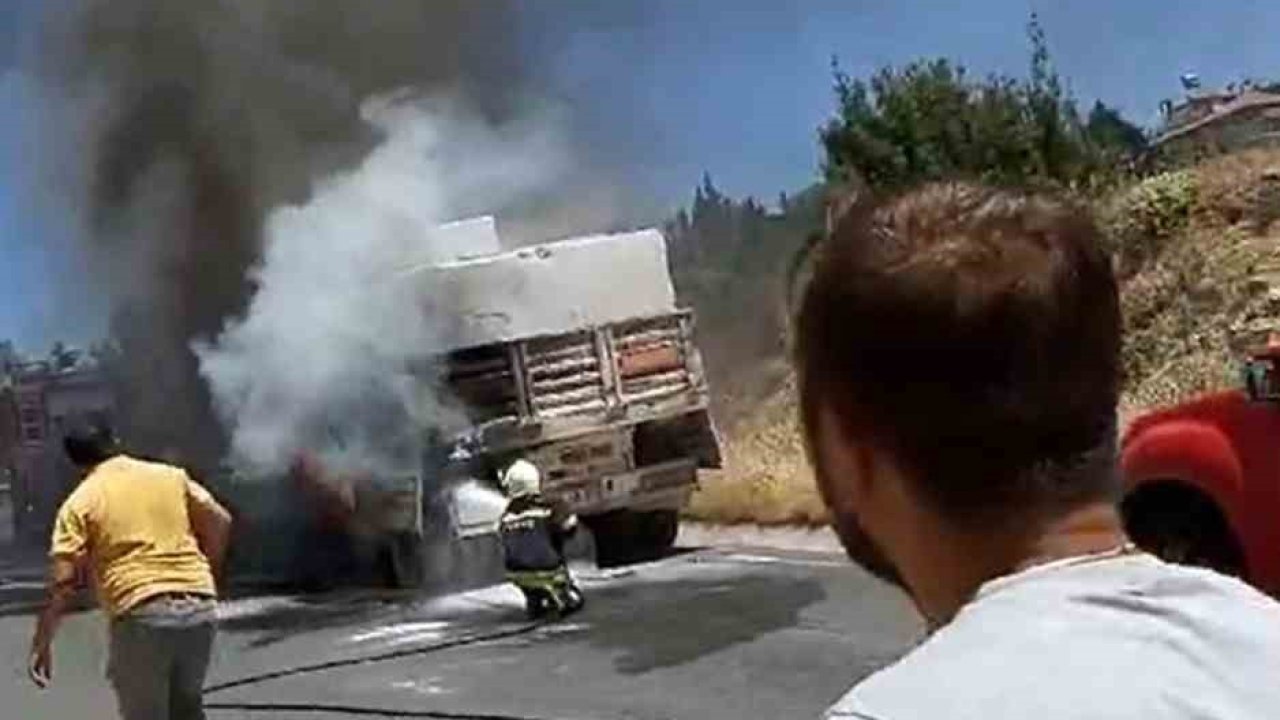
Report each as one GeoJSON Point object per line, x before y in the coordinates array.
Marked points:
{"type": "Point", "coordinates": [172, 130]}
{"type": "Point", "coordinates": [333, 354]}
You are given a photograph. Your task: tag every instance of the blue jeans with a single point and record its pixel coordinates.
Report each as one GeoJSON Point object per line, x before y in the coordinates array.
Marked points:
{"type": "Point", "coordinates": [159, 656]}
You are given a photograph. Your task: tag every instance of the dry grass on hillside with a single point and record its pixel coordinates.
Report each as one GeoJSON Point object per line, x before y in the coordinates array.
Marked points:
{"type": "Point", "coordinates": [1199, 253]}
{"type": "Point", "coordinates": [766, 478]}
{"type": "Point", "coordinates": [1208, 291]}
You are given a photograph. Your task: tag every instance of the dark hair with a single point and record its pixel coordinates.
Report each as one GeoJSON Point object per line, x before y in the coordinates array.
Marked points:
{"type": "Point", "coordinates": [90, 442]}
{"type": "Point", "coordinates": [975, 334]}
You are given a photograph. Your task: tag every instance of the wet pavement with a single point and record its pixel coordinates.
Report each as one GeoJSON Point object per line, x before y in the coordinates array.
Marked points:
{"type": "Point", "coordinates": [710, 633]}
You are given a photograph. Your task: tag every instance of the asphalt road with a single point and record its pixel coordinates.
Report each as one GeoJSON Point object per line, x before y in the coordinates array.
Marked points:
{"type": "Point", "coordinates": [728, 632]}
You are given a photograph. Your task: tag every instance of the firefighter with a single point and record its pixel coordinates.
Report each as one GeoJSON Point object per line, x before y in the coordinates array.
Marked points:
{"type": "Point", "coordinates": [534, 530]}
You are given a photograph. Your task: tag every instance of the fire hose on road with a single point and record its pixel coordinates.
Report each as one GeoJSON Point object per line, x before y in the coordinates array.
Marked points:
{"type": "Point", "coordinates": [465, 640]}
{"type": "Point", "coordinates": [359, 711]}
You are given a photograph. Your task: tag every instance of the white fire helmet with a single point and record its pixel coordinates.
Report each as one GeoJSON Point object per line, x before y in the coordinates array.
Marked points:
{"type": "Point", "coordinates": [521, 478]}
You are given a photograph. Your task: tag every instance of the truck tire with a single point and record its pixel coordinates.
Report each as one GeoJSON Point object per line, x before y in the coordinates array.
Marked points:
{"type": "Point", "coordinates": [625, 536]}
{"type": "Point", "coordinates": [614, 535]}
{"type": "Point", "coordinates": [658, 531]}
{"type": "Point", "coordinates": [1181, 524]}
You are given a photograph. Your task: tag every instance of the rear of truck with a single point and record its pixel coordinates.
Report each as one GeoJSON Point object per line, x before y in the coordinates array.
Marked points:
{"type": "Point", "coordinates": [575, 356]}
{"type": "Point", "coordinates": [616, 418]}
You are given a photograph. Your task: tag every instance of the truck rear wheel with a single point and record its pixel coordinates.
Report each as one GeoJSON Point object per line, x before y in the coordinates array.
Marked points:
{"type": "Point", "coordinates": [625, 536]}
{"type": "Point", "coordinates": [1180, 524]}
{"type": "Point", "coordinates": [614, 536]}
{"type": "Point", "coordinates": [658, 530]}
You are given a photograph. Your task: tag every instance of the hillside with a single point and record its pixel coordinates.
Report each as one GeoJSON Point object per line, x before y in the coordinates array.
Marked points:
{"type": "Point", "coordinates": [1198, 253]}
{"type": "Point", "coordinates": [1199, 256]}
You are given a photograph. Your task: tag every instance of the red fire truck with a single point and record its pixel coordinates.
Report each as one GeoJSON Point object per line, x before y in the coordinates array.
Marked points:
{"type": "Point", "coordinates": [1203, 477]}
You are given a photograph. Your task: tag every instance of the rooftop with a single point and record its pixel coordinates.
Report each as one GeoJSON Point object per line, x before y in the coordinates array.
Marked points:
{"type": "Point", "coordinates": [1246, 100]}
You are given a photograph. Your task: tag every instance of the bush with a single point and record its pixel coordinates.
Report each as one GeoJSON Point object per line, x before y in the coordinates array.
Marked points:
{"type": "Point", "coordinates": [1140, 222]}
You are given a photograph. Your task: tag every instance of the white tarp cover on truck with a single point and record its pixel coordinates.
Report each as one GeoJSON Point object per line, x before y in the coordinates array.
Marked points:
{"type": "Point", "coordinates": [466, 238]}
{"type": "Point", "coordinates": [547, 289]}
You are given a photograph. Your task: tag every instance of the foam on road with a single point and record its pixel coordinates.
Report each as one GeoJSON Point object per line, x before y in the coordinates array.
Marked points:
{"type": "Point", "coordinates": [726, 632]}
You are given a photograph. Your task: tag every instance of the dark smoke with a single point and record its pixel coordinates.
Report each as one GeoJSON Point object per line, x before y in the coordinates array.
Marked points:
{"type": "Point", "coordinates": [206, 114]}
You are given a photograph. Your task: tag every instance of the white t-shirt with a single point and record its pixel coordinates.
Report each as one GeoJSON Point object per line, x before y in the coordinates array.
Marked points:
{"type": "Point", "coordinates": [1127, 637]}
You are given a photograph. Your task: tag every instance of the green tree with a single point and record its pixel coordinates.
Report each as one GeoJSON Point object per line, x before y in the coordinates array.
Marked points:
{"type": "Point", "coordinates": [1108, 129]}
{"type": "Point", "coordinates": [930, 120]}
{"type": "Point", "coordinates": [728, 259]}
{"type": "Point", "coordinates": [1060, 146]}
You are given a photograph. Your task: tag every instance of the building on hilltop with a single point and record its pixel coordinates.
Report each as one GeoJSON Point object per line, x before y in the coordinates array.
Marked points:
{"type": "Point", "coordinates": [1214, 122]}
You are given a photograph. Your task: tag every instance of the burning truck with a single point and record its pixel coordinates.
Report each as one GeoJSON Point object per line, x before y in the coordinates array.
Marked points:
{"type": "Point", "coordinates": [571, 354]}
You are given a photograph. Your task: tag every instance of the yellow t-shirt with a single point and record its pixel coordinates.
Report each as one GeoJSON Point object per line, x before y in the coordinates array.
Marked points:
{"type": "Point", "coordinates": [129, 519]}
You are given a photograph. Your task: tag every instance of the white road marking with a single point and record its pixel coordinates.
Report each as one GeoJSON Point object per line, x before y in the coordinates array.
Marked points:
{"type": "Point", "coordinates": [403, 632]}
{"type": "Point", "coordinates": [563, 628]}
{"type": "Point", "coordinates": [425, 686]}
{"type": "Point", "coordinates": [248, 607]}
{"type": "Point", "coordinates": [775, 560]}
{"type": "Point", "coordinates": [694, 534]}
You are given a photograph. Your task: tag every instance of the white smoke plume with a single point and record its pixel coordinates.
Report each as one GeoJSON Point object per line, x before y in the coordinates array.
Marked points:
{"type": "Point", "coordinates": [327, 358]}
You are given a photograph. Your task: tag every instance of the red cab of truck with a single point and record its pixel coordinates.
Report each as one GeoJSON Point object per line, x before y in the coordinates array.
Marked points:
{"type": "Point", "coordinates": [1202, 479]}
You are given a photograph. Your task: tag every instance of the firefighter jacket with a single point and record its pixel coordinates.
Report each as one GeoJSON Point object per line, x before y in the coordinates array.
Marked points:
{"type": "Point", "coordinates": [534, 530]}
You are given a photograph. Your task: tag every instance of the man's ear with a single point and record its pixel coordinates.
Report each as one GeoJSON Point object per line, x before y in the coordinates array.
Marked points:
{"type": "Point", "coordinates": [846, 464]}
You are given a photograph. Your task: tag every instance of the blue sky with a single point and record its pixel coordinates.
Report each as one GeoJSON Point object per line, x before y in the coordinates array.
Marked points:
{"type": "Point", "coordinates": [28, 299]}
{"type": "Point", "coordinates": [741, 94]}
{"type": "Point", "coordinates": [738, 87]}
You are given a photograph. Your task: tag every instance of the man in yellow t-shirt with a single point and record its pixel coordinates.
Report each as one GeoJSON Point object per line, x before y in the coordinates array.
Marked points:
{"type": "Point", "coordinates": [152, 540]}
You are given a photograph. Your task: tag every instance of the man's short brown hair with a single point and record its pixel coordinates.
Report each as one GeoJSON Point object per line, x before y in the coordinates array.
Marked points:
{"type": "Point", "coordinates": [974, 333]}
